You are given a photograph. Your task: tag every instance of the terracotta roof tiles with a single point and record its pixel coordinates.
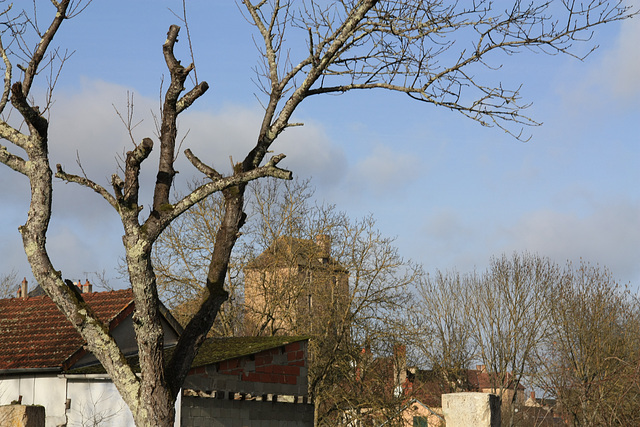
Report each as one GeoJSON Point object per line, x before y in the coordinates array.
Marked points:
{"type": "Point", "coordinates": [34, 334]}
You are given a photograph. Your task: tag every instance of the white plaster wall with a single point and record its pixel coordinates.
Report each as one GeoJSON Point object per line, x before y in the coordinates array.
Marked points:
{"type": "Point", "coordinates": [8, 390]}
{"type": "Point", "coordinates": [96, 403]}
{"type": "Point", "coordinates": [48, 391]}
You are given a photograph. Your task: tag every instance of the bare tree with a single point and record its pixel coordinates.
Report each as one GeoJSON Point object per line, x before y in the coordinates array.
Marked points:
{"type": "Point", "coordinates": [445, 321]}
{"type": "Point", "coordinates": [151, 395]}
{"type": "Point", "coordinates": [590, 363]}
{"type": "Point", "coordinates": [405, 46]}
{"type": "Point", "coordinates": [512, 320]}
{"type": "Point", "coordinates": [342, 294]}
{"type": "Point", "coordinates": [8, 284]}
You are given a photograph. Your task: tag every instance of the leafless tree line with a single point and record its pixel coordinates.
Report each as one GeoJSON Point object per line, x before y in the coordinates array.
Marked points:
{"type": "Point", "coordinates": [569, 332]}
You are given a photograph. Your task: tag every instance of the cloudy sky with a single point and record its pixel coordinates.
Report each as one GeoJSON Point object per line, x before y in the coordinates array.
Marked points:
{"type": "Point", "coordinates": [452, 192]}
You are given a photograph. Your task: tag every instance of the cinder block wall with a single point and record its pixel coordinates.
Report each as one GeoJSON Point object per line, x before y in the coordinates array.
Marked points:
{"type": "Point", "coordinates": [211, 412]}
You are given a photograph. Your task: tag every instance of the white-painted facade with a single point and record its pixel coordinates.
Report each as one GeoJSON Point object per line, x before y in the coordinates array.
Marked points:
{"type": "Point", "coordinates": [72, 400]}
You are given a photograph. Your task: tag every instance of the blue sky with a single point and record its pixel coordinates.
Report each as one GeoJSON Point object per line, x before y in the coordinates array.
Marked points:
{"type": "Point", "coordinates": [452, 192]}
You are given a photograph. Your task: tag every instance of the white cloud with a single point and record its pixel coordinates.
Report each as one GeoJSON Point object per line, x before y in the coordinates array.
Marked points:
{"type": "Point", "coordinates": [385, 172]}
{"type": "Point", "coordinates": [610, 79]}
{"type": "Point", "coordinates": [622, 64]}
{"type": "Point", "coordinates": [84, 125]}
{"type": "Point", "coordinates": [608, 234]}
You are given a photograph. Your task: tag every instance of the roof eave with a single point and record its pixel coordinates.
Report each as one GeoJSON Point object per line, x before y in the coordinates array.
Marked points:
{"type": "Point", "coordinates": [18, 371]}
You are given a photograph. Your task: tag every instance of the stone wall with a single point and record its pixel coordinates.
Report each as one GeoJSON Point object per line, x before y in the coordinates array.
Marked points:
{"type": "Point", "coordinates": [471, 409]}
{"type": "Point", "coordinates": [22, 415]}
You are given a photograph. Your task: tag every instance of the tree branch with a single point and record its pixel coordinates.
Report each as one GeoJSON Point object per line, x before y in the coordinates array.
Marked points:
{"type": "Point", "coordinates": [37, 124]}
{"type": "Point", "coordinates": [6, 90]}
{"type": "Point", "coordinates": [14, 162]}
{"type": "Point", "coordinates": [13, 135]}
{"type": "Point", "coordinates": [168, 128]}
{"type": "Point", "coordinates": [198, 164]}
{"type": "Point", "coordinates": [220, 184]}
{"type": "Point", "coordinates": [190, 97]}
{"type": "Point", "coordinates": [38, 55]}
{"type": "Point", "coordinates": [272, 128]}
{"type": "Point", "coordinates": [84, 181]}
{"type": "Point", "coordinates": [132, 172]}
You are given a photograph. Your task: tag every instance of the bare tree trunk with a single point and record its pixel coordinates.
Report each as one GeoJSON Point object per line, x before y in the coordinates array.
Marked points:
{"type": "Point", "coordinates": [198, 327]}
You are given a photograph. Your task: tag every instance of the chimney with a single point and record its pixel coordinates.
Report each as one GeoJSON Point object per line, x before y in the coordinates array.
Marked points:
{"type": "Point", "coordinates": [481, 368]}
{"type": "Point", "coordinates": [324, 244]}
{"type": "Point", "coordinates": [400, 364]}
{"type": "Point", "coordinates": [24, 287]}
{"type": "Point", "coordinates": [87, 288]}
{"type": "Point", "coordinates": [533, 395]}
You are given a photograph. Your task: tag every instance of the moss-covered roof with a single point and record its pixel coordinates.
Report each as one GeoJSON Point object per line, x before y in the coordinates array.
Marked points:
{"type": "Point", "coordinates": [216, 350]}
{"type": "Point", "coordinates": [213, 350]}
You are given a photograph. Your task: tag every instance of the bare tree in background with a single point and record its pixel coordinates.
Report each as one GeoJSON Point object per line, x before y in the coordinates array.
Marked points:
{"type": "Point", "coordinates": [9, 284]}
{"type": "Point", "coordinates": [351, 298]}
{"type": "Point", "coordinates": [445, 317]}
{"type": "Point", "coordinates": [591, 360]}
{"type": "Point", "coordinates": [181, 259]}
{"type": "Point", "coordinates": [511, 320]}
{"type": "Point", "coordinates": [430, 50]}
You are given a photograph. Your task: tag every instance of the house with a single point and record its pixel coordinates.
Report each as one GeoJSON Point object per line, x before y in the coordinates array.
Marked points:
{"type": "Point", "coordinates": [38, 346]}
{"type": "Point", "coordinates": [42, 361]}
{"type": "Point", "coordinates": [292, 284]}
{"type": "Point", "coordinates": [413, 397]}
{"type": "Point", "coordinates": [248, 381]}
{"type": "Point", "coordinates": [428, 386]}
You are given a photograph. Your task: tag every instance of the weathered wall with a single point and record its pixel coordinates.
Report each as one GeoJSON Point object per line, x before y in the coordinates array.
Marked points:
{"type": "Point", "coordinates": [471, 409]}
{"type": "Point", "coordinates": [432, 416]}
{"type": "Point", "coordinates": [213, 412]}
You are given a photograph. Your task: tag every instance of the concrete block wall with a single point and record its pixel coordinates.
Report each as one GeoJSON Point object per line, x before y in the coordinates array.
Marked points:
{"type": "Point", "coordinates": [280, 371]}
{"type": "Point", "coordinates": [213, 412]}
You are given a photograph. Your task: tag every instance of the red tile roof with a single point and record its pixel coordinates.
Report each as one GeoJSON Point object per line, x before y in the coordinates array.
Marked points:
{"type": "Point", "coordinates": [34, 334]}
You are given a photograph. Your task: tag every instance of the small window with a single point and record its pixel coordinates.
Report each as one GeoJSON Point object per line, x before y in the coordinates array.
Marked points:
{"type": "Point", "coordinates": [420, 422]}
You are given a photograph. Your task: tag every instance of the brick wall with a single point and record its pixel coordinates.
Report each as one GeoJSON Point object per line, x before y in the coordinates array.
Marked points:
{"type": "Point", "coordinates": [280, 371]}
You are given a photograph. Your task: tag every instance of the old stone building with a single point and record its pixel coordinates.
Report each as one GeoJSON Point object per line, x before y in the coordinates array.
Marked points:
{"type": "Point", "coordinates": [294, 287]}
